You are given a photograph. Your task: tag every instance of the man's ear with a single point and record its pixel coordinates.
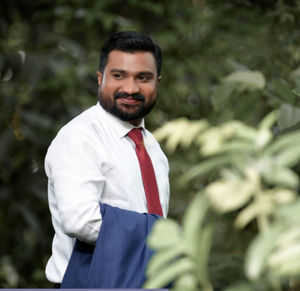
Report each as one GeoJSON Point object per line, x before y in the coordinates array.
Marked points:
{"type": "Point", "coordinates": [159, 79]}
{"type": "Point", "coordinates": [100, 78]}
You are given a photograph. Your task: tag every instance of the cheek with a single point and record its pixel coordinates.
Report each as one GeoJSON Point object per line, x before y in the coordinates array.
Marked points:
{"type": "Point", "coordinates": [107, 89]}
{"type": "Point", "coordinates": [151, 93]}
{"type": "Point", "coordinates": [150, 89]}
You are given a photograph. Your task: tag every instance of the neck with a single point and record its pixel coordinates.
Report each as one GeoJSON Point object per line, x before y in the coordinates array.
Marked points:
{"type": "Point", "coordinates": [136, 122]}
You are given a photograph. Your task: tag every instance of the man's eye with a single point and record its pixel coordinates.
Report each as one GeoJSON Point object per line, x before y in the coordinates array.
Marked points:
{"type": "Point", "coordinates": [117, 76]}
{"type": "Point", "coordinates": [143, 78]}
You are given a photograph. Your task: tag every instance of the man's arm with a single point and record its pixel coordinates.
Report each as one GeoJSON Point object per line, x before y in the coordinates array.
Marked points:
{"type": "Point", "coordinates": [76, 184]}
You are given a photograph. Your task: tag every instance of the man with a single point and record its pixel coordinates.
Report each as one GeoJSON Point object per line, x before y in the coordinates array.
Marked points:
{"type": "Point", "coordinates": [93, 159]}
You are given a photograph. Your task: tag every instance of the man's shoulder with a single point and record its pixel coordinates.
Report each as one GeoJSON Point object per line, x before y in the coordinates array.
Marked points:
{"type": "Point", "coordinates": [81, 123]}
{"type": "Point", "coordinates": [77, 129]}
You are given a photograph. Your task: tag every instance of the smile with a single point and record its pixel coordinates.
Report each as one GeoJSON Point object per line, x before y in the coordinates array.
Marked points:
{"type": "Point", "coordinates": [130, 101]}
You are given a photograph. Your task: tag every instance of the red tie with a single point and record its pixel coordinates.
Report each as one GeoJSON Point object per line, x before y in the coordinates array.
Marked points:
{"type": "Point", "coordinates": [147, 171]}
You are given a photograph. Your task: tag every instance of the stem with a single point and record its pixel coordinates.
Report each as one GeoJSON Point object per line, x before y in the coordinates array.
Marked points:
{"type": "Point", "coordinates": [263, 222]}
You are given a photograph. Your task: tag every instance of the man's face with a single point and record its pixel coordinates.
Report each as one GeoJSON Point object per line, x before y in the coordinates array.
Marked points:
{"type": "Point", "coordinates": [128, 85]}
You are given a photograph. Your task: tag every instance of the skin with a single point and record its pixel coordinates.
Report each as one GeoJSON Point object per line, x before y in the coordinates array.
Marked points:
{"type": "Point", "coordinates": [129, 73]}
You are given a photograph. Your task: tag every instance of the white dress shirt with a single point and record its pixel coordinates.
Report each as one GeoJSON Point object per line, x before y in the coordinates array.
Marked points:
{"type": "Point", "coordinates": [91, 160]}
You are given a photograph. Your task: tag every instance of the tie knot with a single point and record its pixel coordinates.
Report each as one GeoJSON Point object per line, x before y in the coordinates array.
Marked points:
{"type": "Point", "coordinates": [136, 135]}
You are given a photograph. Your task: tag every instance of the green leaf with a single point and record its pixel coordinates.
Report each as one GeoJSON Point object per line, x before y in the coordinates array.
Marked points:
{"type": "Point", "coordinates": [283, 142]}
{"type": "Point", "coordinates": [269, 120]}
{"type": "Point", "coordinates": [296, 91]}
{"type": "Point", "coordinates": [283, 91]}
{"type": "Point", "coordinates": [229, 195]}
{"type": "Point", "coordinates": [289, 237]}
{"type": "Point", "coordinates": [263, 137]}
{"type": "Point", "coordinates": [281, 176]}
{"type": "Point", "coordinates": [250, 80]}
{"type": "Point", "coordinates": [254, 210]}
{"type": "Point", "coordinates": [240, 287]}
{"type": "Point", "coordinates": [170, 273]}
{"type": "Point", "coordinates": [162, 258]}
{"type": "Point", "coordinates": [193, 220]}
{"type": "Point", "coordinates": [289, 158]}
{"type": "Point", "coordinates": [180, 131]}
{"type": "Point", "coordinates": [221, 96]}
{"type": "Point", "coordinates": [291, 269]}
{"type": "Point", "coordinates": [165, 233]}
{"type": "Point", "coordinates": [289, 116]}
{"type": "Point", "coordinates": [259, 251]}
{"type": "Point", "coordinates": [187, 282]}
{"type": "Point", "coordinates": [203, 254]}
{"type": "Point", "coordinates": [235, 146]}
{"type": "Point", "coordinates": [285, 255]}
{"type": "Point", "coordinates": [206, 167]}
{"type": "Point", "coordinates": [289, 213]}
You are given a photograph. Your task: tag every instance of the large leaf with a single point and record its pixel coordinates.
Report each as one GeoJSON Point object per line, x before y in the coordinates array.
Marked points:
{"type": "Point", "coordinates": [281, 176]}
{"type": "Point", "coordinates": [296, 91]}
{"type": "Point", "coordinates": [170, 273]}
{"type": "Point", "coordinates": [192, 222]}
{"type": "Point", "coordinates": [180, 131]}
{"type": "Point", "coordinates": [258, 252]}
{"type": "Point", "coordinates": [289, 116]}
{"type": "Point", "coordinates": [250, 80]}
{"type": "Point", "coordinates": [289, 158]}
{"type": "Point", "coordinates": [205, 167]}
{"type": "Point", "coordinates": [165, 233]}
{"type": "Point", "coordinates": [262, 206]}
{"type": "Point", "coordinates": [284, 142]}
{"type": "Point", "coordinates": [163, 258]}
{"type": "Point", "coordinates": [231, 194]}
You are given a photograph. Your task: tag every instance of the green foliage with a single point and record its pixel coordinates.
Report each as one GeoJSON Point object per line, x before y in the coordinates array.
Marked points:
{"type": "Point", "coordinates": [255, 181]}
{"type": "Point", "coordinates": [223, 60]}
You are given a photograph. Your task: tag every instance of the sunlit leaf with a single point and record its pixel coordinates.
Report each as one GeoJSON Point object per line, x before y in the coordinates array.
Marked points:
{"type": "Point", "coordinates": [228, 195]}
{"type": "Point", "coordinates": [285, 255]}
{"type": "Point", "coordinates": [186, 282]}
{"type": "Point", "coordinates": [289, 158]}
{"type": "Point", "coordinates": [180, 131]}
{"type": "Point", "coordinates": [262, 206]}
{"type": "Point", "coordinates": [164, 258]}
{"type": "Point", "coordinates": [170, 273]}
{"type": "Point", "coordinates": [192, 221]}
{"type": "Point", "coordinates": [203, 255]}
{"type": "Point", "coordinates": [250, 80]}
{"type": "Point", "coordinates": [289, 116]}
{"type": "Point", "coordinates": [284, 142]}
{"type": "Point", "coordinates": [289, 237]}
{"type": "Point", "coordinates": [269, 120]}
{"type": "Point", "coordinates": [165, 233]}
{"type": "Point", "coordinates": [262, 138]}
{"type": "Point", "coordinates": [281, 176]}
{"type": "Point", "coordinates": [258, 252]}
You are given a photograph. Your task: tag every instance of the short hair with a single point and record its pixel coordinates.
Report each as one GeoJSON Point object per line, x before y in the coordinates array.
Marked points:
{"type": "Point", "coordinates": [130, 41]}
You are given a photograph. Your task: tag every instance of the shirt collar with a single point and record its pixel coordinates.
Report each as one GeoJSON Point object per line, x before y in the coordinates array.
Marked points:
{"type": "Point", "coordinates": [120, 127]}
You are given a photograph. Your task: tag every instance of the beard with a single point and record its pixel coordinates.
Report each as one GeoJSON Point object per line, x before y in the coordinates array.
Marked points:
{"type": "Point", "coordinates": [111, 106]}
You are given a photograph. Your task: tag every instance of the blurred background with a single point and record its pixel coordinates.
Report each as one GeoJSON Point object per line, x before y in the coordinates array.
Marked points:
{"type": "Point", "coordinates": [49, 55]}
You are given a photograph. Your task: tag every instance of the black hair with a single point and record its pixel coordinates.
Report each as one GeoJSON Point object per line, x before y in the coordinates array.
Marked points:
{"type": "Point", "coordinates": [130, 41]}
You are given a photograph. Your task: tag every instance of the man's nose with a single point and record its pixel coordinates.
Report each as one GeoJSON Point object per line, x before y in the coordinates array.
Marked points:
{"type": "Point", "coordinates": [130, 87]}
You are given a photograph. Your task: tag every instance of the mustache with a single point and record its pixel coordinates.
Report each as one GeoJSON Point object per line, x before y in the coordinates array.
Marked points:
{"type": "Point", "coordinates": [137, 96]}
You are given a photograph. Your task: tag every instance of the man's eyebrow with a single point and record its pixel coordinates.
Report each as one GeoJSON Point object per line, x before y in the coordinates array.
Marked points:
{"type": "Point", "coordinates": [146, 73]}
{"type": "Point", "coordinates": [117, 71]}
{"type": "Point", "coordinates": [150, 73]}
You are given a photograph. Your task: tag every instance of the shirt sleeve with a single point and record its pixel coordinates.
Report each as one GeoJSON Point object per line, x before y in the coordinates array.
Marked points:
{"type": "Point", "coordinates": [77, 185]}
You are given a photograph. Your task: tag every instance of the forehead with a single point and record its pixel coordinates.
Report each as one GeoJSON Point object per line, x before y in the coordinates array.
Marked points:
{"type": "Point", "coordinates": [137, 61]}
